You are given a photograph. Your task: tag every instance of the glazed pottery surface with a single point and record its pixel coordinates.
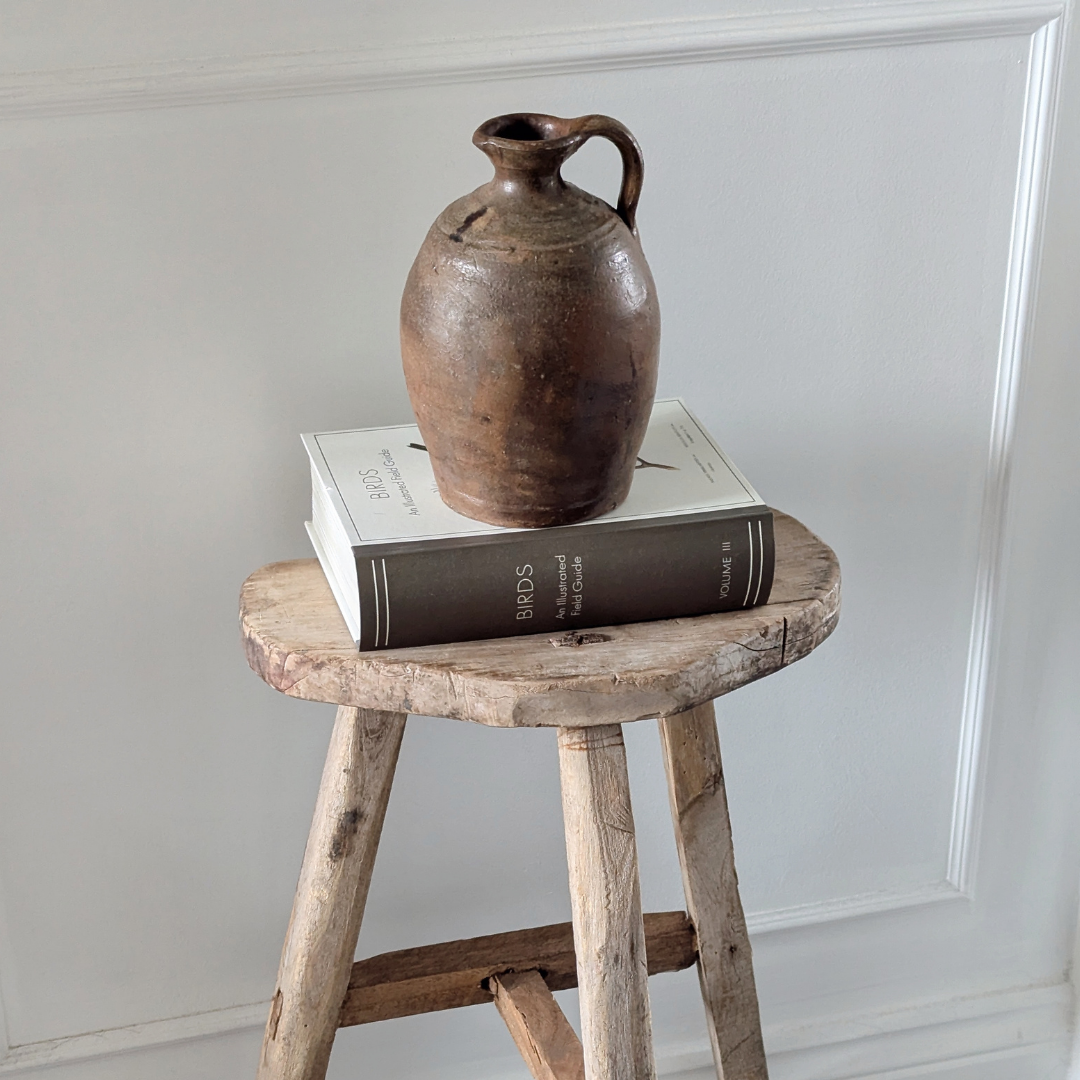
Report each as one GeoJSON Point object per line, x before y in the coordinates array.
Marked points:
{"type": "Point", "coordinates": [530, 332]}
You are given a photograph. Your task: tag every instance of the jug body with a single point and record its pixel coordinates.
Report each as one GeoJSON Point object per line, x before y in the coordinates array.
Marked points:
{"type": "Point", "coordinates": [530, 335]}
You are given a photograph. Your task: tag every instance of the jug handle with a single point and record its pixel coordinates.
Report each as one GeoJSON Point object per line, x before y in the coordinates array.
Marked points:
{"type": "Point", "coordinates": [585, 127]}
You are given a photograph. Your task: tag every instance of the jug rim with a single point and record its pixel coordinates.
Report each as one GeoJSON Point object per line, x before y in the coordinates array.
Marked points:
{"type": "Point", "coordinates": [525, 131]}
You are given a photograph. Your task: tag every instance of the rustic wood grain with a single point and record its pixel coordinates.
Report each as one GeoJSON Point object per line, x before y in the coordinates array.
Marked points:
{"type": "Point", "coordinates": [699, 810]}
{"type": "Point", "coordinates": [297, 641]}
{"type": "Point", "coordinates": [538, 1027]}
{"type": "Point", "coordinates": [330, 895]}
{"type": "Point", "coordinates": [453, 974]}
{"type": "Point", "coordinates": [601, 855]}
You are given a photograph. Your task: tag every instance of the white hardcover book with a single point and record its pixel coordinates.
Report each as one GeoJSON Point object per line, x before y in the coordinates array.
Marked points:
{"type": "Point", "coordinates": [383, 534]}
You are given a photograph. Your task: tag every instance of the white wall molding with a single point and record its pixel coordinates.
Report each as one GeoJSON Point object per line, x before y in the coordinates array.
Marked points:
{"type": "Point", "coordinates": [99, 1044]}
{"type": "Point", "coordinates": [208, 80]}
{"type": "Point", "coordinates": [851, 907]}
{"type": "Point", "coordinates": [1020, 289]}
{"type": "Point", "coordinates": [908, 1042]}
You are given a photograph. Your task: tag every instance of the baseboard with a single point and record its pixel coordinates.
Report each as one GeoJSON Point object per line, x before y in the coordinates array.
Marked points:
{"type": "Point", "coordinates": [1019, 1034]}
{"type": "Point", "coordinates": [118, 1040]}
{"type": "Point", "coordinates": [1043, 1062]}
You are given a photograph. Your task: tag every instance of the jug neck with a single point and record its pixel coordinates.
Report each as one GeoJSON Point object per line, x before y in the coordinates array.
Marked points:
{"type": "Point", "coordinates": [527, 150]}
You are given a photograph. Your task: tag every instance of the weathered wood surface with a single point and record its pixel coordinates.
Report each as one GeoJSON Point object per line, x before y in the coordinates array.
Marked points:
{"type": "Point", "coordinates": [297, 641]}
{"type": "Point", "coordinates": [538, 1026]}
{"type": "Point", "coordinates": [453, 974]}
{"type": "Point", "coordinates": [605, 898]}
{"type": "Point", "coordinates": [330, 895]}
{"type": "Point", "coordinates": [699, 810]}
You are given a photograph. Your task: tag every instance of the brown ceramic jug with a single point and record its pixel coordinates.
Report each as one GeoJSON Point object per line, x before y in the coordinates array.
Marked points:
{"type": "Point", "coordinates": [530, 332]}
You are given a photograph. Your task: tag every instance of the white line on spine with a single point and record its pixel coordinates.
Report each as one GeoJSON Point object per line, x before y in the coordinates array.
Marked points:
{"type": "Point", "coordinates": [375, 582]}
{"type": "Point", "coordinates": [750, 573]}
{"type": "Point", "coordinates": [761, 560]}
{"type": "Point", "coordinates": [386, 600]}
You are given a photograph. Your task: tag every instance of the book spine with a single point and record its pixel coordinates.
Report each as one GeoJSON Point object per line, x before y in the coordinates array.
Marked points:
{"type": "Point", "coordinates": [558, 580]}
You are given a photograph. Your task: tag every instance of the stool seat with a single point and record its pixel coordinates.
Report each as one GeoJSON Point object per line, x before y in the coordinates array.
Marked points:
{"type": "Point", "coordinates": [297, 641]}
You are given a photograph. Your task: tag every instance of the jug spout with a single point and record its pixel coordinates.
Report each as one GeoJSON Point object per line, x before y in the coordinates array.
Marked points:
{"type": "Point", "coordinates": [527, 149]}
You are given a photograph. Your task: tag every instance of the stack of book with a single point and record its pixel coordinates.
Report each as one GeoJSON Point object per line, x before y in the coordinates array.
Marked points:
{"type": "Point", "coordinates": [692, 538]}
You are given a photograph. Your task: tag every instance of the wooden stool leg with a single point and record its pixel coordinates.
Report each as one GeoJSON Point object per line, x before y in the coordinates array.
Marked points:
{"type": "Point", "coordinates": [538, 1027]}
{"type": "Point", "coordinates": [331, 893]}
{"type": "Point", "coordinates": [703, 833]}
{"type": "Point", "coordinates": [609, 937]}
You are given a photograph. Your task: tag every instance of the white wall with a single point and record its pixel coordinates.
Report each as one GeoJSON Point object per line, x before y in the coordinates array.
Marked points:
{"type": "Point", "coordinates": [208, 218]}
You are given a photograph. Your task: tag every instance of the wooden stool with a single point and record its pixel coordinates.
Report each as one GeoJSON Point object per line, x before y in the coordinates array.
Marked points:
{"type": "Point", "coordinates": [297, 641]}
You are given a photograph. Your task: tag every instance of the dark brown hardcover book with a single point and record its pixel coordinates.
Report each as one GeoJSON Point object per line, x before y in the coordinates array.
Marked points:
{"type": "Point", "coordinates": [692, 538]}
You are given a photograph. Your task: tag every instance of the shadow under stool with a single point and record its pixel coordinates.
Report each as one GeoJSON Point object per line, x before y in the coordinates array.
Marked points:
{"type": "Point", "coordinates": [297, 642]}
